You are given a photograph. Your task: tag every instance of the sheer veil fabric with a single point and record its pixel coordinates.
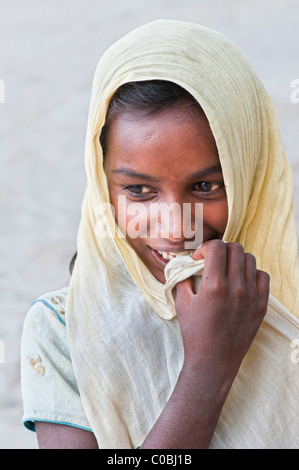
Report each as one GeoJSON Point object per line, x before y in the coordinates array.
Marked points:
{"type": "Point", "coordinates": [123, 334]}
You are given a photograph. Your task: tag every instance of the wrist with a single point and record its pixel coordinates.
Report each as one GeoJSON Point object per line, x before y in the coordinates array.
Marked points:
{"type": "Point", "coordinates": [212, 381]}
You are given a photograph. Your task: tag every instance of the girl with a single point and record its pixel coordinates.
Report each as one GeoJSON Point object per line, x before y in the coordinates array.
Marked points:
{"type": "Point", "coordinates": [163, 345]}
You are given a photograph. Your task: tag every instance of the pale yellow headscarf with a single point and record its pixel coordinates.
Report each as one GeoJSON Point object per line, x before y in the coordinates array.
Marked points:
{"type": "Point", "coordinates": [124, 337]}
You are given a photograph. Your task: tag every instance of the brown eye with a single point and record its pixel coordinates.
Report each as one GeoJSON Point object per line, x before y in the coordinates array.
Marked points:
{"type": "Point", "coordinates": [204, 186]}
{"type": "Point", "coordinates": [135, 189]}
{"type": "Point", "coordinates": [207, 187]}
{"type": "Point", "coordinates": [138, 189]}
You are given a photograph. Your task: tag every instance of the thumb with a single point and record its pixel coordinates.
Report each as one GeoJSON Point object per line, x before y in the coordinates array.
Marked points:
{"type": "Point", "coordinates": [183, 289]}
{"type": "Point", "coordinates": [200, 252]}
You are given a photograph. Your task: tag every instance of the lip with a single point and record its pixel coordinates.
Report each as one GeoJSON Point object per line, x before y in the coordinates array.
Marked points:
{"type": "Point", "coordinates": [170, 249]}
{"type": "Point", "coordinates": [158, 257]}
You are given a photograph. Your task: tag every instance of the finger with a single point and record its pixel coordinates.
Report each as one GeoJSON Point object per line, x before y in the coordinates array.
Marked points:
{"type": "Point", "coordinates": [214, 253]}
{"type": "Point", "coordinates": [263, 285]}
{"type": "Point", "coordinates": [182, 291]}
{"type": "Point", "coordinates": [185, 287]}
{"type": "Point", "coordinates": [235, 262]}
{"type": "Point", "coordinates": [197, 254]}
{"type": "Point", "coordinates": [250, 269]}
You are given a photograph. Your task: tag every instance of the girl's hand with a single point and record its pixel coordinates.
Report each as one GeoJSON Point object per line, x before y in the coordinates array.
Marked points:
{"type": "Point", "coordinates": [220, 321]}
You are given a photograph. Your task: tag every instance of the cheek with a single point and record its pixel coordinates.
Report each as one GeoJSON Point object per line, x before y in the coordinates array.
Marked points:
{"type": "Point", "coordinates": [216, 216]}
{"type": "Point", "coordinates": [131, 217]}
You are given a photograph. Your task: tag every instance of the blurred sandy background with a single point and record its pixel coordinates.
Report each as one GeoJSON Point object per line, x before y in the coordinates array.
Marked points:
{"type": "Point", "coordinates": [48, 53]}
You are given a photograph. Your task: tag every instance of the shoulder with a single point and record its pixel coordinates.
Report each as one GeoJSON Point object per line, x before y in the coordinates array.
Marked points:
{"type": "Point", "coordinates": [49, 388]}
{"type": "Point", "coordinates": [49, 308]}
{"type": "Point", "coordinates": [44, 330]}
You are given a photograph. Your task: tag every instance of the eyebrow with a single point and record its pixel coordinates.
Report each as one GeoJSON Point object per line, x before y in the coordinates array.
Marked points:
{"type": "Point", "coordinates": [198, 174]}
{"type": "Point", "coordinates": [134, 174]}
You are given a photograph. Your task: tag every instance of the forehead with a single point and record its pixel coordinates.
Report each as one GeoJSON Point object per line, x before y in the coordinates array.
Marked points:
{"type": "Point", "coordinates": [173, 139]}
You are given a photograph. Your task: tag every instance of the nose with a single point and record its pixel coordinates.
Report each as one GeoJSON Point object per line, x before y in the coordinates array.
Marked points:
{"type": "Point", "coordinates": [166, 221]}
{"type": "Point", "coordinates": [175, 221]}
{"type": "Point", "coordinates": [172, 223]}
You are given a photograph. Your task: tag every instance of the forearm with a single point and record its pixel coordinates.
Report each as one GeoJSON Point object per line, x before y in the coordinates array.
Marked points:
{"type": "Point", "coordinates": [60, 436]}
{"type": "Point", "coordinates": [218, 324]}
{"type": "Point", "coordinates": [190, 417]}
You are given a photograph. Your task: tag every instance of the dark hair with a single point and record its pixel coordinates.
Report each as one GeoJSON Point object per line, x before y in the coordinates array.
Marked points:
{"type": "Point", "coordinates": [72, 263]}
{"type": "Point", "coordinates": [147, 98]}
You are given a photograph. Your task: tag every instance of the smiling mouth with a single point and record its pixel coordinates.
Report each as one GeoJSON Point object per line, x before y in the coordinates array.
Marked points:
{"type": "Point", "coordinates": [165, 256]}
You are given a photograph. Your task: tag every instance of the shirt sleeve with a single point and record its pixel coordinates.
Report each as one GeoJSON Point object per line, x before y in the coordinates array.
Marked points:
{"type": "Point", "coordinates": [49, 388]}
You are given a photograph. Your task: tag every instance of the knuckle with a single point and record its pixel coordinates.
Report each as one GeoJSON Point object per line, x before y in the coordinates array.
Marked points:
{"type": "Point", "coordinates": [215, 243]}
{"type": "Point", "coordinates": [217, 287]}
{"type": "Point", "coordinates": [215, 246]}
{"type": "Point", "coordinates": [240, 290]}
{"type": "Point", "coordinates": [236, 246]}
{"type": "Point", "coordinates": [264, 277]}
{"type": "Point", "coordinates": [250, 258]}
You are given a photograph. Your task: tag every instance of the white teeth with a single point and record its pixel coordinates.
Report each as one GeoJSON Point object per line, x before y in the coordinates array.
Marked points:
{"type": "Point", "coordinates": [170, 255]}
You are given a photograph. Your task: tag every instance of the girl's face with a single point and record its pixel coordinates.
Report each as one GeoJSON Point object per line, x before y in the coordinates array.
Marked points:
{"type": "Point", "coordinates": [164, 161]}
